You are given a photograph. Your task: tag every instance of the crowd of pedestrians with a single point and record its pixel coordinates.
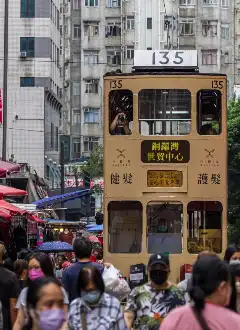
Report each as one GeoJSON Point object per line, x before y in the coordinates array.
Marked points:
{"type": "Point", "coordinates": [34, 297]}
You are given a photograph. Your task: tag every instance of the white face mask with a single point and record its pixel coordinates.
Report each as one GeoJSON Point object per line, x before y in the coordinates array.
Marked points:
{"type": "Point", "coordinates": [234, 262]}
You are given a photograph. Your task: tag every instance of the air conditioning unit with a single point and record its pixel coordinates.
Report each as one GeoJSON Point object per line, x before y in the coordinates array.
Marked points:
{"type": "Point", "coordinates": [23, 54]}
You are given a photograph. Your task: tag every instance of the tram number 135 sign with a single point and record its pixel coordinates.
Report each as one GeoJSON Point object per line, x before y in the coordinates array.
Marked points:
{"type": "Point", "coordinates": [165, 58]}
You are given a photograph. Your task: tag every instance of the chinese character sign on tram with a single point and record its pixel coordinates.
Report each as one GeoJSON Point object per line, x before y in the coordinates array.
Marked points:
{"type": "Point", "coordinates": [165, 151]}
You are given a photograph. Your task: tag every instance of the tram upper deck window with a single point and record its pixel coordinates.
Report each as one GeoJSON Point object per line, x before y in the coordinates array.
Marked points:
{"type": "Point", "coordinates": [164, 225]}
{"type": "Point", "coordinates": [209, 105]}
{"type": "Point", "coordinates": [125, 226]}
{"type": "Point", "coordinates": [204, 226]}
{"type": "Point", "coordinates": [120, 112]}
{"type": "Point", "coordinates": [164, 112]}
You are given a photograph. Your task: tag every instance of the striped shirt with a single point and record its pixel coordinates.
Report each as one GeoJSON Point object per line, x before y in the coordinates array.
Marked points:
{"type": "Point", "coordinates": [107, 315]}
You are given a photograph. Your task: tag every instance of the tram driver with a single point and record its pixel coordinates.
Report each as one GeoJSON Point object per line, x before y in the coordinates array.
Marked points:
{"type": "Point", "coordinates": [120, 124]}
{"type": "Point", "coordinates": [207, 129]}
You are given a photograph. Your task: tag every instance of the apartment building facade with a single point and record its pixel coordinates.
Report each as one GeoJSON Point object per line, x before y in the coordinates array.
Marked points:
{"type": "Point", "coordinates": [34, 83]}
{"type": "Point", "coordinates": [101, 36]}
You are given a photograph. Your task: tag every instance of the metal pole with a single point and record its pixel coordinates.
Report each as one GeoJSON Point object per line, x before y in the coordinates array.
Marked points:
{"type": "Point", "coordinates": [62, 176]}
{"type": "Point", "coordinates": [5, 83]}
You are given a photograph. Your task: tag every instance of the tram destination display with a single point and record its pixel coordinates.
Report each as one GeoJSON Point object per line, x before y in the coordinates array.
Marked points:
{"type": "Point", "coordinates": [165, 179]}
{"type": "Point", "coordinates": [165, 151]}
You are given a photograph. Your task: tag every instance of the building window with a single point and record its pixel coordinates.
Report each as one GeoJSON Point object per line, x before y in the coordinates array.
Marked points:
{"type": "Point", "coordinates": [76, 89]}
{"type": "Point", "coordinates": [76, 4]}
{"type": "Point", "coordinates": [209, 28]}
{"type": "Point", "coordinates": [91, 86]}
{"type": "Point", "coordinates": [114, 57]}
{"type": "Point", "coordinates": [52, 136]}
{"type": "Point", "coordinates": [91, 3]}
{"type": "Point", "coordinates": [27, 8]}
{"type": "Point", "coordinates": [225, 31]}
{"type": "Point", "coordinates": [56, 139]}
{"type": "Point", "coordinates": [129, 23]}
{"type": "Point", "coordinates": [225, 3]}
{"type": "Point", "coordinates": [76, 144]}
{"type": "Point", "coordinates": [186, 2]}
{"type": "Point", "coordinates": [91, 57]}
{"type": "Point", "coordinates": [149, 23]}
{"type": "Point", "coordinates": [129, 52]}
{"type": "Point", "coordinates": [91, 115]}
{"type": "Point", "coordinates": [113, 29]}
{"type": "Point", "coordinates": [210, 2]}
{"type": "Point", "coordinates": [76, 116]}
{"type": "Point", "coordinates": [89, 143]}
{"type": "Point", "coordinates": [76, 31]}
{"type": "Point", "coordinates": [91, 29]}
{"type": "Point", "coordinates": [27, 82]}
{"type": "Point", "coordinates": [187, 28]}
{"type": "Point", "coordinates": [76, 59]}
{"type": "Point", "coordinates": [27, 45]}
{"type": "Point", "coordinates": [113, 3]}
{"type": "Point", "coordinates": [209, 57]}
{"type": "Point", "coordinates": [149, 48]}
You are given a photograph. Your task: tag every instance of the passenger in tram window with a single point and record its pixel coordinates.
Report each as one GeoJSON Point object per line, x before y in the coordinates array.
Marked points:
{"type": "Point", "coordinates": [162, 226]}
{"type": "Point", "coordinates": [207, 129]}
{"type": "Point", "coordinates": [120, 124]}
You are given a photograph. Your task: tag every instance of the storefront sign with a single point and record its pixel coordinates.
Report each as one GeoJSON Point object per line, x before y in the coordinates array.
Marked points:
{"type": "Point", "coordinates": [164, 179]}
{"type": "Point", "coordinates": [165, 151]}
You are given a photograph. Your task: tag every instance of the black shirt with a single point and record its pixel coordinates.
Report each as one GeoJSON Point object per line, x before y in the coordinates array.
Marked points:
{"type": "Point", "coordinates": [9, 288]}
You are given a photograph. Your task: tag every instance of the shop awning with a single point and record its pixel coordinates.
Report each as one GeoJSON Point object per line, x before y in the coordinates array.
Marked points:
{"type": "Point", "coordinates": [4, 205]}
{"type": "Point", "coordinates": [7, 168]}
{"type": "Point", "coordinates": [6, 191]}
{"type": "Point", "coordinates": [49, 201]}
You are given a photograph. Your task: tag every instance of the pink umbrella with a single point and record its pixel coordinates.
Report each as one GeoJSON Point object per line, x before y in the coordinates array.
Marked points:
{"type": "Point", "coordinates": [93, 239]}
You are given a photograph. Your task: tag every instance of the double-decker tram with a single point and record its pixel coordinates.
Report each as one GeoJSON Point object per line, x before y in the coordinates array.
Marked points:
{"type": "Point", "coordinates": [165, 161]}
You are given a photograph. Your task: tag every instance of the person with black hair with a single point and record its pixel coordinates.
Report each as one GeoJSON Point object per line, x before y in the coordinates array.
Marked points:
{"type": "Point", "coordinates": [9, 291]}
{"type": "Point", "coordinates": [24, 254]}
{"type": "Point", "coordinates": [230, 251]}
{"type": "Point", "coordinates": [83, 250]}
{"type": "Point", "coordinates": [8, 264]}
{"type": "Point", "coordinates": [45, 305]}
{"type": "Point", "coordinates": [39, 266]}
{"type": "Point", "coordinates": [210, 291]}
{"type": "Point", "coordinates": [94, 309]}
{"type": "Point", "coordinates": [235, 298]}
{"type": "Point", "coordinates": [21, 270]}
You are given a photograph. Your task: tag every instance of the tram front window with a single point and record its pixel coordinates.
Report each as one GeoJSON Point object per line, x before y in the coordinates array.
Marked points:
{"type": "Point", "coordinates": [204, 226]}
{"type": "Point", "coordinates": [125, 227]}
{"type": "Point", "coordinates": [164, 223]}
{"type": "Point", "coordinates": [164, 112]}
{"type": "Point", "coordinates": [120, 112]}
{"type": "Point", "coordinates": [209, 106]}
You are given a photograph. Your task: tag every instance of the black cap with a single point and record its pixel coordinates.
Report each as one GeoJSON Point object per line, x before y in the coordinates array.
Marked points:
{"type": "Point", "coordinates": [158, 258]}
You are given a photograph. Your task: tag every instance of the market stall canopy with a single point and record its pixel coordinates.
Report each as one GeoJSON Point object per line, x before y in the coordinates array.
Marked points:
{"type": "Point", "coordinates": [95, 228]}
{"type": "Point", "coordinates": [6, 191]}
{"type": "Point", "coordinates": [7, 168]}
{"type": "Point", "coordinates": [49, 201]}
{"type": "Point", "coordinates": [55, 247]}
{"type": "Point", "coordinates": [13, 210]}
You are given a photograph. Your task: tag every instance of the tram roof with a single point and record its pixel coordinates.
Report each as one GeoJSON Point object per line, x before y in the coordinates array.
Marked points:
{"type": "Point", "coordinates": [162, 73]}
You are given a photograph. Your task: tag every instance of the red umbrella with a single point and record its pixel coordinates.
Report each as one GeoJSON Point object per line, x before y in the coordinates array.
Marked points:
{"type": "Point", "coordinates": [6, 191]}
{"type": "Point", "coordinates": [5, 215]}
{"type": "Point", "coordinates": [93, 239]}
{"type": "Point", "coordinates": [7, 168]}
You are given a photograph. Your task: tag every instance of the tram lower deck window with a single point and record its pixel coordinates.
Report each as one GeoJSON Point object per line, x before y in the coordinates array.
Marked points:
{"type": "Point", "coordinates": [164, 112]}
{"type": "Point", "coordinates": [164, 226]}
{"type": "Point", "coordinates": [125, 226]}
{"type": "Point", "coordinates": [204, 226]}
{"type": "Point", "coordinates": [209, 106]}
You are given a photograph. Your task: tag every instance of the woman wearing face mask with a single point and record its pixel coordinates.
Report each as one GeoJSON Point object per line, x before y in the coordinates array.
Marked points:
{"type": "Point", "coordinates": [94, 309]}
{"type": "Point", "coordinates": [210, 291]}
{"type": "Point", "coordinates": [45, 305]}
{"type": "Point", "coordinates": [235, 298]}
{"type": "Point", "coordinates": [39, 266]}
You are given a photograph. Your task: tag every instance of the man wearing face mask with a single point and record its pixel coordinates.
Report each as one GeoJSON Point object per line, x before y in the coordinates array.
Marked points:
{"type": "Point", "coordinates": [149, 304]}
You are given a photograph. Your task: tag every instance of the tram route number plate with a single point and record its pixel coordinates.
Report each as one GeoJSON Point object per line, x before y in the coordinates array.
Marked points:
{"type": "Point", "coordinates": [164, 179]}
